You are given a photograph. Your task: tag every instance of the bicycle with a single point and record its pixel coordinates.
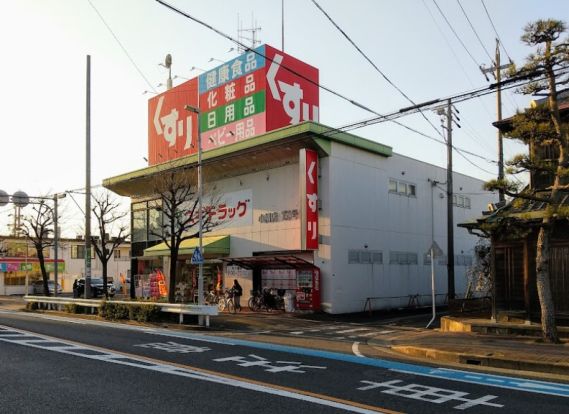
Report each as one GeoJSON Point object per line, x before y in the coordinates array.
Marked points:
{"type": "Point", "coordinates": [255, 301]}
{"type": "Point", "coordinates": [226, 302]}
{"type": "Point", "coordinates": [267, 300]}
{"type": "Point", "coordinates": [211, 298]}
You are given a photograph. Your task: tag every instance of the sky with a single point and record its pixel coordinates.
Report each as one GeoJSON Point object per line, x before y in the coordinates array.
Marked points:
{"type": "Point", "coordinates": [45, 44]}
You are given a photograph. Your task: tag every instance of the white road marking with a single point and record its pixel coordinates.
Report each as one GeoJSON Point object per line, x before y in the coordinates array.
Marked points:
{"type": "Point", "coordinates": [356, 349]}
{"type": "Point", "coordinates": [352, 330]}
{"type": "Point", "coordinates": [369, 334]}
{"type": "Point", "coordinates": [192, 337]}
{"type": "Point", "coordinates": [432, 395]}
{"type": "Point", "coordinates": [141, 363]}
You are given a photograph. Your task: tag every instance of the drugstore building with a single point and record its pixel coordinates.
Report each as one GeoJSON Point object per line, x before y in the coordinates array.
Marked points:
{"type": "Point", "coordinates": [335, 219]}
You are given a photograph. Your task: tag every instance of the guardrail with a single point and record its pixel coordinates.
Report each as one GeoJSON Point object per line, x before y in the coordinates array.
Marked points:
{"type": "Point", "coordinates": [181, 308]}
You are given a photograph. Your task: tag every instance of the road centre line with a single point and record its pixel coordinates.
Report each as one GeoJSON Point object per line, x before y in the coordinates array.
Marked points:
{"type": "Point", "coordinates": [120, 358]}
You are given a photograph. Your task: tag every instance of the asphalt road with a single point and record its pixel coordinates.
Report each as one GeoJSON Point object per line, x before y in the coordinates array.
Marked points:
{"type": "Point", "coordinates": [50, 364]}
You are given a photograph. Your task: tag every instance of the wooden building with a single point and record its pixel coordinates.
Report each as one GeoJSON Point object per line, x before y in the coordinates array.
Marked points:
{"type": "Point", "coordinates": [513, 229]}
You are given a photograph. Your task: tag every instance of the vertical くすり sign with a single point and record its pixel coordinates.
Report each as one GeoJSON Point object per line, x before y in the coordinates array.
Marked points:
{"type": "Point", "coordinates": [309, 199]}
{"type": "Point", "coordinates": [172, 130]}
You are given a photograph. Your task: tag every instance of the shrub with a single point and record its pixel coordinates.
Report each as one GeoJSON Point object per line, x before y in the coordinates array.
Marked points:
{"type": "Point", "coordinates": [114, 311]}
{"type": "Point", "coordinates": [71, 308]}
{"type": "Point", "coordinates": [144, 313]}
{"type": "Point", "coordinates": [32, 306]}
{"type": "Point", "coordinates": [140, 313]}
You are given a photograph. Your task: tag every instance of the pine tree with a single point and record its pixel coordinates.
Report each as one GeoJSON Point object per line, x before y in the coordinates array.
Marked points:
{"type": "Point", "coordinates": [542, 129]}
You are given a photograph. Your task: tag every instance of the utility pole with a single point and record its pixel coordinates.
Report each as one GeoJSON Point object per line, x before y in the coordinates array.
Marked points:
{"type": "Point", "coordinates": [496, 72]}
{"type": "Point", "coordinates": [88, 183]}
{"type": "Point", "coordinates": [450, 117]}
{"type": "Point", "coordinates": [450, 218]}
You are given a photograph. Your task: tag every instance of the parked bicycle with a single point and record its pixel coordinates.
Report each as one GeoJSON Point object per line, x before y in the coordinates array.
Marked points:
{"type": "Point", "coordinates": [268, 300]}
{"type": "Point", "coordinates": [212, 298]}
{"type": "Point", "coordinates": [226, 302]}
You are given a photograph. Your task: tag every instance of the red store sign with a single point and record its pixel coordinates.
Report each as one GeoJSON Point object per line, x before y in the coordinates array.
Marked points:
{"type": "Point", "coordinates": [309, 199]}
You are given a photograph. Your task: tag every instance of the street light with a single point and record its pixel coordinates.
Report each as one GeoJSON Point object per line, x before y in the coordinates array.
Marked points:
{"type": "Point", "coordinates": [200, 196]}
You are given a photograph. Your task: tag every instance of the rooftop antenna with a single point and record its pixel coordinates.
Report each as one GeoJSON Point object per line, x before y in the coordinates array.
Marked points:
{"type": "Point", "coordinates": [248, 35]}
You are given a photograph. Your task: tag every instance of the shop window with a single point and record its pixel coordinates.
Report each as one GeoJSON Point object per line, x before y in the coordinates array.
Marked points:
{"type": "Point", "coordinates": [279, 278]}
{"type": "Point", "coordinates": [154, 224]}
{"type": "Point", "coordinates": [139, 226]}
{"type": "Point", "coordinates": [15, 279]}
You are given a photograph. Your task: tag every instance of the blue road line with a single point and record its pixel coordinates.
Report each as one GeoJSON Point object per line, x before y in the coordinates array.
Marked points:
{"type": "Point", "coordinates": [518, 384]}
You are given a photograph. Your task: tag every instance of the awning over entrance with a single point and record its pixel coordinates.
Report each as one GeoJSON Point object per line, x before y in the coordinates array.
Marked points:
{"type": "Point", "coordinates": [212, 246]}
{"type": "Point", "coordinates": [276, 262]}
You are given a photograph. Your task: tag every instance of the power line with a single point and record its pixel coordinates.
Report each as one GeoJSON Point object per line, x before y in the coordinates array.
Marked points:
{"type": "Point", "coordinates": [507, 84]}
{"type": "Point", "coordinates": [380, 117]}
{"type": "Point", "coordinates": [455, 34]}
{"type": "Point", "coordinates": [474, 30]}
{"type": "Point", "coordinates": [495, 31]}
{"type": "Point", "coordinates": [238, 43]}
{"type": "Point", "coordinates": [445, 38]}
{"type": "Point", "coordinates": [122, 47]}
{"type": "Point", "coordinates": [371, 62]}
{"type": "Point", "coordinates": [245, 47]}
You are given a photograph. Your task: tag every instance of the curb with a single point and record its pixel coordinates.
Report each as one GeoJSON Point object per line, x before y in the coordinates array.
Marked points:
{"type": "Point", "coordinates": [560, 368]}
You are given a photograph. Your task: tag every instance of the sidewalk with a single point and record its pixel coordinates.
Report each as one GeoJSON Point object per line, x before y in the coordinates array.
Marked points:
{"type": "Point", "coordinates": [507, 346]}
{"type": "Point", "coordinates": [513, 352]}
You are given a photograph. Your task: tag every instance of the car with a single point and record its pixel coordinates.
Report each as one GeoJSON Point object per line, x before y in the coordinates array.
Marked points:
{"type": "Point", "coordinates": [38, 289]}
{"type": "Point", "coordinates": [97, 289]}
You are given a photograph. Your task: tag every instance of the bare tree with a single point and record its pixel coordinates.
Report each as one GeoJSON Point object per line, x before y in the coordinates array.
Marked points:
{"type": "Point", "coordinates": [109, 221]}
{"type": "Point", "coordinates": [178, 202]}
{"type": "Point", "coordinates": [37, 228]}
